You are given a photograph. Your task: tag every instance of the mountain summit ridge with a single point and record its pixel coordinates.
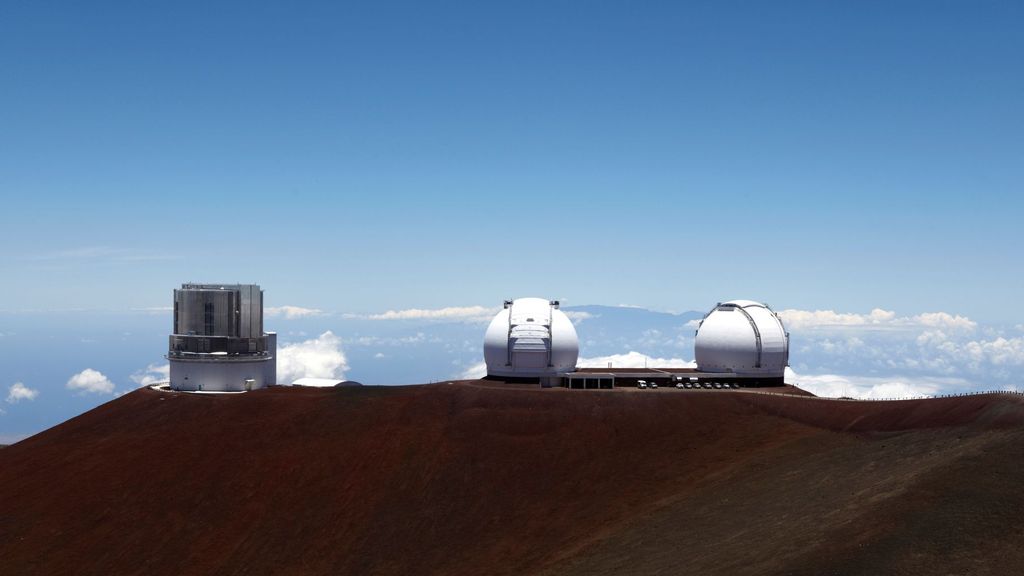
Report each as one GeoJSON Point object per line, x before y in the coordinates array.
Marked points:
{"type": "Point", "coordinates": [475, 477]}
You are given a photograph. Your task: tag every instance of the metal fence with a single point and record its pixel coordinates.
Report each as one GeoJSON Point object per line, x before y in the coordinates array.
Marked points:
{"type": "Point", "coordinates": [892, 399]}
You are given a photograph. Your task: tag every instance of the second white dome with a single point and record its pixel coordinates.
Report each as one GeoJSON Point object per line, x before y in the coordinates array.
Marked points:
{"type": "Point", "coordinates": [742, 337]}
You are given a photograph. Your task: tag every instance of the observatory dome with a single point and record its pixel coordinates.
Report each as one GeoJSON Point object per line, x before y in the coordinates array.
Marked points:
{"type": "Point", "coordinates": [530, 338]}
{"type": "Point", "coordinates": [742, 337]}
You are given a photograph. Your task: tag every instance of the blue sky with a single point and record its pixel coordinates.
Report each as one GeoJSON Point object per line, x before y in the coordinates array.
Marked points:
{"type": "Point", "coordinates": [840, 156]}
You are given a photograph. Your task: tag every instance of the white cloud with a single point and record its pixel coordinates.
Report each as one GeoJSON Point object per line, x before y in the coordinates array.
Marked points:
{"type": "Point", "coordinates": [931, 338]}
{"type": "Point", "coordinates": [874, 387]}
{"type": "Point", "coordinates": [475, 371]}
{"type": "Point", "coordinates": [320, 357]}
{"type": "Point", "coordinates": [155, 309]}
{"type": "Point", "coordinates": [18, 392]}
{"type": "Point", "coordinates": [933, 344]}
{"type": "Point", "coordinates": [577, 316]}
{"type": "Point", "coordinates": [842, 346]}
{"type": "Point", "coordinates": [457, 313]}
{"type": "Point", "coordinates": [876, 319]}
{"type": "Point", "coordinates": [379, 355]}
{"type": "Point", "coordinates": [412, 340]}
{"type": "Point", "coordinates": [633, 359]}
{"type": "Point", "coordinates": [944, 320]}
{"type": "Point", "coordinates": [291, 312]}
{"type": "Point", "coordinates": [1000, 352]}
{"type": "Point", "coordinates": [91, 381]}
{"type": "Point", "coordinates": [811, 319]}
{"type": "Point", "coordinates": [152, 374]}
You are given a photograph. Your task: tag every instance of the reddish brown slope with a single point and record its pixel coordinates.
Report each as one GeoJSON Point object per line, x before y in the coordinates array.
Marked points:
{"type": "Point", "coordinates": [474, 479]}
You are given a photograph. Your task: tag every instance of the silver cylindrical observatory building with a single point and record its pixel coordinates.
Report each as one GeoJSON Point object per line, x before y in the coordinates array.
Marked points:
{"type": "Point", "coordinates": [218, 342]}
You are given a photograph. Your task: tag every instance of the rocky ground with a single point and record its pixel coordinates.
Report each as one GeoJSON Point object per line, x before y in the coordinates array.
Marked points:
{"type": "Point", "coordinates": [479, 478]}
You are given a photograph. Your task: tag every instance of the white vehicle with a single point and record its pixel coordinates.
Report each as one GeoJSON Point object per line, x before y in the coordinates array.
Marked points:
{"type": "Point", "coordinates": [641, 384]}
{"type": "Point", "coordinates": [679, 385]}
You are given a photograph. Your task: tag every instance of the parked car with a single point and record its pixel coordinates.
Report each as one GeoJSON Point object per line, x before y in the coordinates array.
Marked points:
{"type": "Point", "coordinates": [641, 384]}
{"type": "Point", "coordinates": [654, 384]}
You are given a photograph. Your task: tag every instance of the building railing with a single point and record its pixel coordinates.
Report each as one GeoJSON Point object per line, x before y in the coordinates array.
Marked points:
{"type": "Point", "coordinates": [195, 344]}
{"type": "Point", "coordinates": [887, 399]}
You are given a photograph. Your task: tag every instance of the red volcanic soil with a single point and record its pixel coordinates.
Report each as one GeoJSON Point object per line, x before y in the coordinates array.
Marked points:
{"type": "Point", "coordinates": [473, 478]}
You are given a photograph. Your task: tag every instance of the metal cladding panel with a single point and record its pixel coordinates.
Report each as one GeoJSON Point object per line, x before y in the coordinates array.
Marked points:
{"type": "Point", "coordinates": [524, 360]}
{"type": "Point", "coordinates": [530, 337]}
{"type": "Point", "coordinates": [531, 311]}
{"type": "Point", "coordinates": [251, 310]}
{"type": "Point", "coordinates": [272, 365]}
{"type": "Point", "coordinates": [530, 345]}
{"type": "Point", "coordinates": [726, 342]}
{"type": "Point", "coordinates": [742, 337]}
{"type": "Point", "coordinates": [218, 376]}
{"type": "Point", "coordinates": [259, 311]}
{"type": "Point", "coordinates": [743, 303]}
{"type": "Point", "coordinates": [205, 312]}
{"type": "Point", "coordinates": [565, 344]}
{"type": "Point", "coordinates": [245, 311]}
{"type": "Point", "coordinates": [518, 340]}
{"type": "Point", "coordinates": [234, 310]}
{"type": "Point", "coordinates": [774, 345]}
{"type": "Point", "coordinates": [496, 343]}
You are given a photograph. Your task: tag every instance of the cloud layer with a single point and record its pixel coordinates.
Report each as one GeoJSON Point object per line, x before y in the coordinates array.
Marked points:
{"type": "Point", "coordinates": [320, 357]}
{"type": "Point", "coordinates": [875, 387]}
{"type": "Point", "coordinates": [455, 313]}
{"type": "Point", "coordinates": [877, 319]}
{"type": "Point", "coordinates": [152, 374]}
{"type": "Point", "coordinates": [936, 345]}
{"type": "Point", "coordinates": [633, 359]}
{"type": "Point", "coordinates": [291, 312]}
{"type": "Point", "coordinates": [90, 381]}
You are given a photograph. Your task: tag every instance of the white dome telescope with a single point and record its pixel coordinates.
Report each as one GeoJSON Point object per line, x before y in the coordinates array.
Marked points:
{"type": "Point", "coordinates": [530, 338]}
{"type": "Point", "coordinates": [742, 337]}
